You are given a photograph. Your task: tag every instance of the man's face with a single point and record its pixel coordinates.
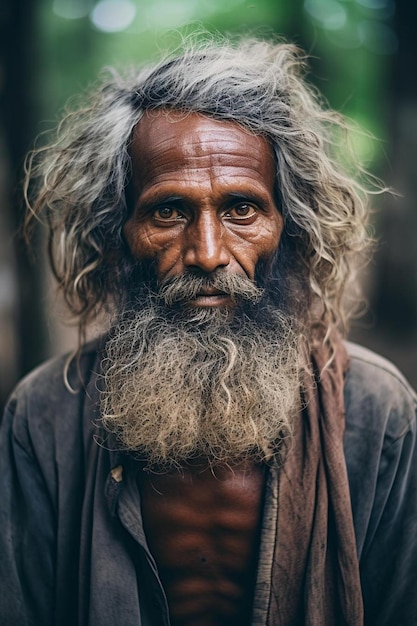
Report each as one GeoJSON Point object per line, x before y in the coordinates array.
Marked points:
{"type": "Point", "coordinates": [203, 199]}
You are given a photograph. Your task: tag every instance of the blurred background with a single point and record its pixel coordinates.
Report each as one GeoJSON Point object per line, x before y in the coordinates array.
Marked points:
{"type": "Point", "coordinates": [363, 59]}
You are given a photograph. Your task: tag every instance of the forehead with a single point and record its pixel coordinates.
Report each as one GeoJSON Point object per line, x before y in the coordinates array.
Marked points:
{"type": "Point", "coordinates": [165, 142]}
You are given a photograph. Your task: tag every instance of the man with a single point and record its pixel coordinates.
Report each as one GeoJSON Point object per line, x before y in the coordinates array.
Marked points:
{"type": "Point", "coordinates": [220, 456]}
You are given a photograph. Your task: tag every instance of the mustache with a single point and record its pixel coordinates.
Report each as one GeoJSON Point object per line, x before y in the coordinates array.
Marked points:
{"type": "Point", "coordinates": [182, 289]}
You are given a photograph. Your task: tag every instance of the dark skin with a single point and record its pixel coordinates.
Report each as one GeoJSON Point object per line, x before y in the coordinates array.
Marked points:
{"type": "Point", "coordinates": [203, 531]}
{"type": "Point", "coordinates": [204, 201]}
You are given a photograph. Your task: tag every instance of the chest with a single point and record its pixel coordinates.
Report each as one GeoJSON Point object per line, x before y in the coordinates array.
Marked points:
{"type": "Point", "coordinates": [202, 528]}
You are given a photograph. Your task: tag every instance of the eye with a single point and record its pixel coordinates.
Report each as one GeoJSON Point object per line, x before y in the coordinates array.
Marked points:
{"type": "Point", "coordinates": [167, 214]}
{"type": "Point", "coordinates": [241, 212]}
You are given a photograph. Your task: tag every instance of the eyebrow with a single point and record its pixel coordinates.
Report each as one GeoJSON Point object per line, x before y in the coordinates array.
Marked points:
{"type": "Point", "coordinates": [177, 199]}
{"type": "Point", "coordinates": [163, 199]}
{"type": "Point", "coordinates": [252, 197]}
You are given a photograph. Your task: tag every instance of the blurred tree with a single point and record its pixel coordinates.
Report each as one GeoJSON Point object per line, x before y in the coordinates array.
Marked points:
{"type": "Point", "coordinates": [396, 277]}
{"type": "Point", "coordinates": [18, 115]}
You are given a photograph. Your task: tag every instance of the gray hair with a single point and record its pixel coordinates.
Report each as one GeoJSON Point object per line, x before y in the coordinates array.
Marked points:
{"type": "Point", "coordinates": [78, 181]}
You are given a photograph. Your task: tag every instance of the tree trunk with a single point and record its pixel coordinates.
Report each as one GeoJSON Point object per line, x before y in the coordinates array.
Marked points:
{"type": "Point", "coordinates": [22, 310]}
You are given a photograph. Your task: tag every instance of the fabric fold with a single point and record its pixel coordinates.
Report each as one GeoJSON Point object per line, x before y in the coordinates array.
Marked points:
{"type": "Point", "coordinates": [315, 571]}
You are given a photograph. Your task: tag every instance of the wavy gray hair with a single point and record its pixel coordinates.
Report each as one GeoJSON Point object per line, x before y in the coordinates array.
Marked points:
{"type": "Point", "coordinates": [79, 181]}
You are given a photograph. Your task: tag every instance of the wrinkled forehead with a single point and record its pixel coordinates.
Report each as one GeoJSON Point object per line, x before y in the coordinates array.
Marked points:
{"type": "Point", "coordinates": [192, 140]}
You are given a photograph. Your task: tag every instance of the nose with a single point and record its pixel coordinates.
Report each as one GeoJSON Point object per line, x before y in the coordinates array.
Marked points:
{"type": "Point", "coordinates": [204, 245]}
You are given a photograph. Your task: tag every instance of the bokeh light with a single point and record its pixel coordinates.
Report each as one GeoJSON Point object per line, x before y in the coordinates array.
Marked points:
{"type": "Point", "coordinates": [113, 15]}
{"type": "Point", "coordinates": [330, 15]}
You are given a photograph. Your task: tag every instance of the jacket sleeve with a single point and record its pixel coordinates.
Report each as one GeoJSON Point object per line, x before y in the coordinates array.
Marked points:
{"type": "Point", "coordinates": [389, 560]}
{"type": "Point", "coordinates": [27, 517]}
{"type": "Point", "coordinates": [381, 457]}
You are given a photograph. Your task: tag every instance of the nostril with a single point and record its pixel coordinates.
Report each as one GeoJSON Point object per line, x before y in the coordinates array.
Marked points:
{"type": "Point", "coordinates": [205, 263]}
{"type": "Point", "coordinates": [206, 256]}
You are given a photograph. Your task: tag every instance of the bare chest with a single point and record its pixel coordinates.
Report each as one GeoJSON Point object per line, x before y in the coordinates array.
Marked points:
{"type": "Point", "coordinates": [203, 531]}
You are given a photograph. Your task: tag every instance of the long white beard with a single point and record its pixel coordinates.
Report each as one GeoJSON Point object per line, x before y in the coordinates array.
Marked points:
{"type": "Point", "coordinates": [196, 385]}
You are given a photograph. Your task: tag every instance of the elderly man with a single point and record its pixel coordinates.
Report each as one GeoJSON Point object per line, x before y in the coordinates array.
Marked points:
{"type": "Point", "coordinates": [220, 456]}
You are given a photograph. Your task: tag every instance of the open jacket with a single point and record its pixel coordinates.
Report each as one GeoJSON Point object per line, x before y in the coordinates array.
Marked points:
{"type": "Point", "coordinates": [72, 545]}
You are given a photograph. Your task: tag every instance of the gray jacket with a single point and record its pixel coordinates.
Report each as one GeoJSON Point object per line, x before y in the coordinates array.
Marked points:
{"type": "Point", "coordinates": [72, 545]}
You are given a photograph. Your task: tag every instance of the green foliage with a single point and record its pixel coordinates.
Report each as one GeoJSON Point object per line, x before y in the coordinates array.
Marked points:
{"type": "Point", "coordinates": [350, 43]}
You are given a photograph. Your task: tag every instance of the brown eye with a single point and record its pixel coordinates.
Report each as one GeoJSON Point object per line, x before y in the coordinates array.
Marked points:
{"type": "Point", "coordinates": [166, 213]}
{"type": "Point", "coordinates": [241, 211]}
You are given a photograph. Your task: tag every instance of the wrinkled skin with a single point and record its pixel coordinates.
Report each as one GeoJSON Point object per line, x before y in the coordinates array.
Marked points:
{"type": "Point", "coordinates": [203, 530]}
{"type": "Point", "coordinates": [203, 198]}
{"type": "Point", "coordinates": [203, 201]}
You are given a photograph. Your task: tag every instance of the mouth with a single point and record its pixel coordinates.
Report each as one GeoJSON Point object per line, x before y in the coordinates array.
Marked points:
{"type": "Point", "coordinates": [209, 296]}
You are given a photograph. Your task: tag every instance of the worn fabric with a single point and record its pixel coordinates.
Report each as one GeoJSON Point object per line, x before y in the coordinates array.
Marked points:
{"type": "Point", "coordinates": [72, 545]}
{"type": "Point", "coordinates": [315, 558]}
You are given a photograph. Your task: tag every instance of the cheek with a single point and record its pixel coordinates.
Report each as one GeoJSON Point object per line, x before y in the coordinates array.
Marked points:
{"type": "Point", "coordinates": [141, 240]}
{"type": "Point", "coordinates": [264, 242]}
{"type": "Point", "coordinates": [271, 236]}
{"type": "Point", "coordinates": [146, 244]}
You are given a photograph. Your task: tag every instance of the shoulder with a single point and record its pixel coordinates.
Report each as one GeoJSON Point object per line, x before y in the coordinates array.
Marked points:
{"type": "Point", "coordinates": [64, 376]}
{"type": "Point", "coordinates": [377, 396]}
{"type": "Point", "coordinates": [362, 358]}
{"type": "Point", "coordinates": [379, 443]}
{"type": "Point", "coordinates": [51, 393]}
